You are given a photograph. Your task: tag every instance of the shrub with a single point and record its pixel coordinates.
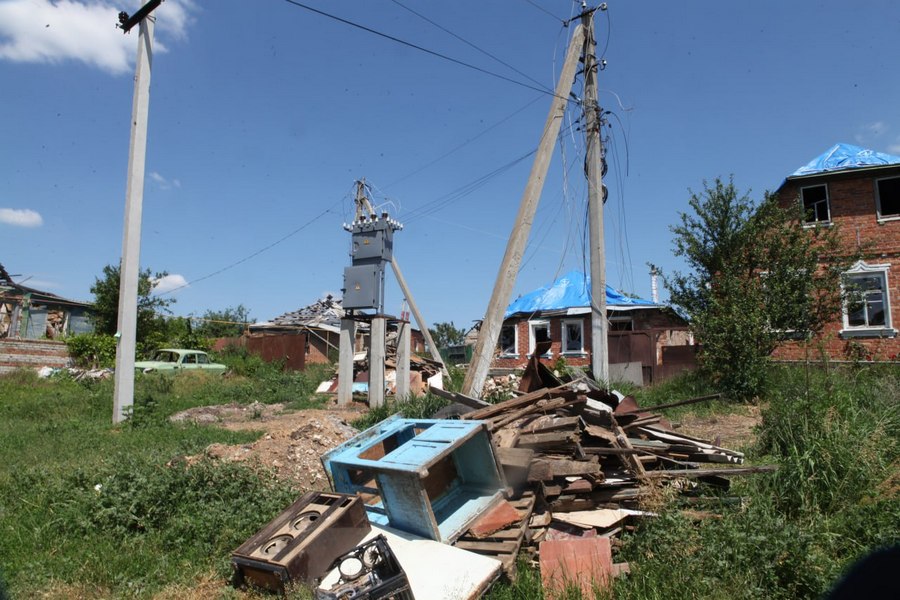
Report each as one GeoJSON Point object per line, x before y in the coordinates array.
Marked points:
{"type": "Point", "coordinates": [92, 350]}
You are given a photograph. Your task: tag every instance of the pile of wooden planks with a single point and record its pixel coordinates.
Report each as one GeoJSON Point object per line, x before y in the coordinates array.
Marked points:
{"type": "Point", "coordinates": [581, 462]}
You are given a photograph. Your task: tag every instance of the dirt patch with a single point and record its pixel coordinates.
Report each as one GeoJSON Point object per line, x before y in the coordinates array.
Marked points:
{"type": "Point", "coordinates": [291, 441]}
{"type": "Point", "coordinates": [735, 430]}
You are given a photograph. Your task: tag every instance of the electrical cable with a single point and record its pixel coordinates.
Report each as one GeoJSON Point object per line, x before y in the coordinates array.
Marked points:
{"type": "Point", "coordinates": [463, 144]}
{"type": "Point", "coordinates": [257, 253]}
{"type": "Point", "coordinates": [544, 10]}
{"type": "Point", "coordinates": [468, 43]}
{"type": "Point", "coordinates": [421, 48]}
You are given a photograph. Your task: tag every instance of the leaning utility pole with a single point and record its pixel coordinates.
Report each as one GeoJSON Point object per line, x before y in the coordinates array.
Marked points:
{"type": "Point", "coordinates": [512, 259]}
{"type": "Point", "coordinates": [594, 169]}
{"type": "Point", "coordinates": [129, 267]}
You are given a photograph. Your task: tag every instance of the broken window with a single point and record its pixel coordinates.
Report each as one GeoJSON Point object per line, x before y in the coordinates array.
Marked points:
{"type": "Point", "coordinates": [888, 198]}
{"type": "Point", "coordinates": [815, 204]}
{"type": "Point", "coordinates": [508, 342]}
{"type": "Point", "coordinates": [866, 303]}
{"type": "Point", "coordinates": [573, 337]}
{"type": "Point", "coordinates": [538, 331]}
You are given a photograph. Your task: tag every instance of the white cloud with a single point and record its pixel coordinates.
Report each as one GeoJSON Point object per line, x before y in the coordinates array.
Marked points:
{"type": "Point", "coordinates": [164, 184]}
{"type": "Point", "coordinates": [21, 217]}
{"type": "Point", "coordinates": [168, 283]}
{"type": "Point", "coordinates": [870, 132]}
{"type": "Point", "coordinates": [41, 31]}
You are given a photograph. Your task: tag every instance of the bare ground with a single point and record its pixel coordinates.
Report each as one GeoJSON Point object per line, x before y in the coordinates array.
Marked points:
{"type": "Point", "coordinates": [291, 442]}
{"type": "Point", "coordinates": [735, 430]}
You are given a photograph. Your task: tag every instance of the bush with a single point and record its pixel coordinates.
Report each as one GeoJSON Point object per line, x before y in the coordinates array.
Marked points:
{"type": "Point", "coordinates": [92, 350]}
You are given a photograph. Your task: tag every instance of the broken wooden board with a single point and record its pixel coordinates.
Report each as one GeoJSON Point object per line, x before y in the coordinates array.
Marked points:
{"type": "Point", "coordinates": [543, 469]}
{"type": "Point", "coordinates": [585, 564]}
{"type": "Point", "coordinates": [504, 544]}
{"type": "Point", "coordinates": [601, 517]}
{"type": "Point", "coordinates": [494, 519]}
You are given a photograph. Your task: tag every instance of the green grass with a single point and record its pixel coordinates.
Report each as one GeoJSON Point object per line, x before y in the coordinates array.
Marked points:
{"type": "Point", "coordinates": [117, 509]}
{"type": "Point", "coordinates": [835, 498]}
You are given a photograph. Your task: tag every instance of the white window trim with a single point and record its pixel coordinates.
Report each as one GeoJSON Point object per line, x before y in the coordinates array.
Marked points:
{"type": "Point", "coordinates": [565, 337]}
{"type": "Point", "coordinates": [878, 216]}
{"type": "Point", "coordinates": [531, 340]}
{"type": "Point", "coordinates": [886, 330]}
{"type": "Point", "coordinates": [825, 223]}
{"type": "Point", "coordinates": [515, 327]}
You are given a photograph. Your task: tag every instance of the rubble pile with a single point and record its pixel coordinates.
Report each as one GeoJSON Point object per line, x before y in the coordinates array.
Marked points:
{"type": "Point", "coordinates": [586, 461]}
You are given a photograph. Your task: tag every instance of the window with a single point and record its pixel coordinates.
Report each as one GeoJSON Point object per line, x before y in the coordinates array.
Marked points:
{"type": "Point", "coordinates": [538, 331]}
{"type": "Point", "coordinates": [887, 198]}
{"type": "Point", "coordinates": [509, 345]}
{"type": "Point", "coordinates": [866, 302]}
{"type": "Point", "coordinates": [573, 337]}
{"type": "Point", "coordinates": [815, 204]}
{"type": "Point", "coordinates": [202, 359]}
{"type": "Point", "coordinates": [189, 359]}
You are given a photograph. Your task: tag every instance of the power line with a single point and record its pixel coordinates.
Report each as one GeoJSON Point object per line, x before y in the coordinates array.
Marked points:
{"type": "Point", "coordinates": [255, 254]}
{"type": "Point", "coordinates": [545, 11]}
{"type": "Point", "coordinates": [463, 144]}
{"type": "Point", "coordinates": [420, 48]}
{"type": "Point", "coordinates": [470, 44]}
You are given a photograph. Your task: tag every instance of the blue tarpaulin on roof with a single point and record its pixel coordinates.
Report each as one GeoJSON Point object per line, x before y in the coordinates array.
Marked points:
{"type": "Point", "coordinates": [569, 291]}
{"type": "Point", "coordinates": [846, 156]}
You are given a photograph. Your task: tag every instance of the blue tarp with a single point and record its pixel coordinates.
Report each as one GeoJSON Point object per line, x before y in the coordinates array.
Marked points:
{"type": "Point", "coordinates": [572, 290]}
{"type": "Point", "coordinates": [841, 157]}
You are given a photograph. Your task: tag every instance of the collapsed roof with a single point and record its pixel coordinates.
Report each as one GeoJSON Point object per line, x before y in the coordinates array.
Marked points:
{"type": "Point", "coordinates": [325, 314]}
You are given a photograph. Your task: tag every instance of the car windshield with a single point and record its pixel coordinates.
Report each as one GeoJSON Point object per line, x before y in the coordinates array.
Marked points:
{"type": "Point", "coordinates": [165, 356]}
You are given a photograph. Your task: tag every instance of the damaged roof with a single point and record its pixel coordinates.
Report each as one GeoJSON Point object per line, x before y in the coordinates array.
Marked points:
{"type": "Point", "coordinates": [571, 294]}
{"type": "Point", "coordinates": [7, 284]}
{"type": "Point", "coordinates": [843, 157]}
{"type": "Point", "coordinates": [325, 313]}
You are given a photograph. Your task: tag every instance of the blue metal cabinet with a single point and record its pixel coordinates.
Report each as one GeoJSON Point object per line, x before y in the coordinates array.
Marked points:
{"type": "Point", "coordinates": [429, 477]}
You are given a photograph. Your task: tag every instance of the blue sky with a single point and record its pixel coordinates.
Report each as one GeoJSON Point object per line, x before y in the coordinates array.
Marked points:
{"type": "Point", "coordinates": [263, 114]}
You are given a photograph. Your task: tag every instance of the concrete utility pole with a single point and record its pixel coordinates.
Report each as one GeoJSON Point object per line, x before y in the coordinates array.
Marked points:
{"type": "Point", "coordinates": [129, 268]}
{"type": "Point", "coordinates": [414, 308]}
{"type": "Point", "coordinates": [594, 168]}
{"type": "Point", "coordinates": [512, 259]}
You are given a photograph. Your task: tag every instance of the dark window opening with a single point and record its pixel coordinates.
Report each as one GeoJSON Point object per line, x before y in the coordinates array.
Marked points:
{"type": "Point", "coordinates": [889, 197]}
{"type": "Point", "coordinates": [815, 204]}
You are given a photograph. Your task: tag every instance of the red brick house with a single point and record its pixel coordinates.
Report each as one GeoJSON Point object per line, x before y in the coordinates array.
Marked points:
{"type": "Point", "coordinates": [640, 330]}
{"type": "Point", "coordinates": [857, 190]}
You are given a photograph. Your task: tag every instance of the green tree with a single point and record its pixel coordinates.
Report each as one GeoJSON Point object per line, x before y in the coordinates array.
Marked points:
{"type": "Point", "coordinates": [151, 310]}
{"type": "Point", "coordinates": [446, 334]}
{"type": "Point", "coordinates": [228, 322]}
{"type": "Point", "coordinates": [755, 278]}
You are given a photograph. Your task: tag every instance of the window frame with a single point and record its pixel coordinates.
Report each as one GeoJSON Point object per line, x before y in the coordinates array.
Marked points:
{"type": "Point", "coordinates": [532, 338]}
{"type": "Point", "coordinates": [861, 268]}
{"type": "Point", "coordinates": [515, 328]}
{"type": "Point", "coordinates": [816, 223]}
{"type": "Point", "coordinates": [565, 337]}
{"type": "Point", "coordinates": [878, 214]}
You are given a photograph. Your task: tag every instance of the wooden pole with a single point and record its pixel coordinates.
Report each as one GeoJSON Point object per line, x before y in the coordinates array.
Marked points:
{"type": "Point", "coordinates": [515, 248]}
{"type": "Point", "coordinates": [129, 268]}
{"type": "Point", "coordinates": [594, 164]}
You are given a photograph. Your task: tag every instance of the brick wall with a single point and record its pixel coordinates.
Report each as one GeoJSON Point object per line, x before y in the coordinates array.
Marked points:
{"type": "Point", "coordinates": [660, 324]}
{"type": "Point", "coordinates": [853, 209]}
{"type": "Point", "coordinates": [32, 354]}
